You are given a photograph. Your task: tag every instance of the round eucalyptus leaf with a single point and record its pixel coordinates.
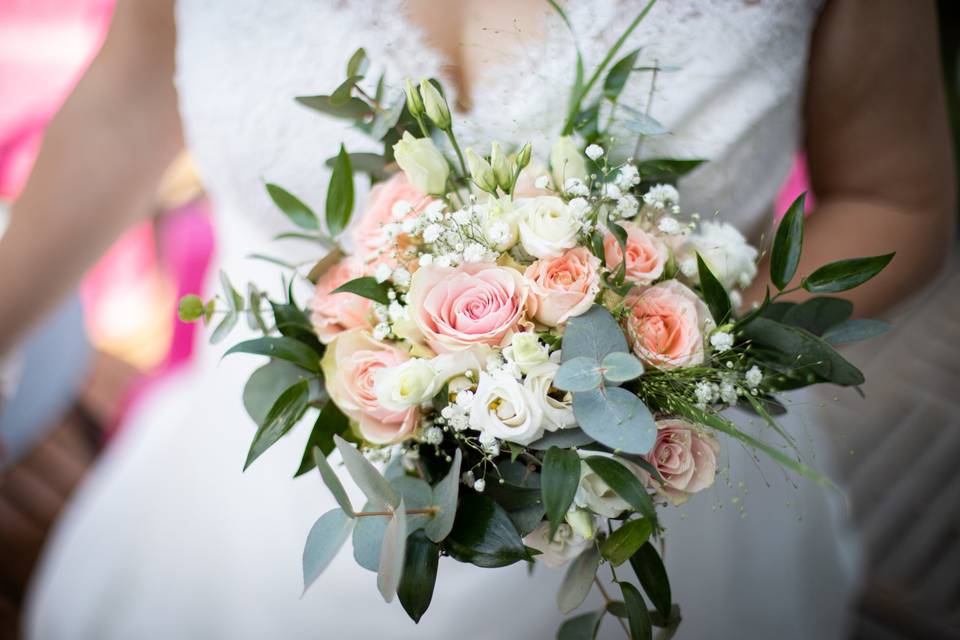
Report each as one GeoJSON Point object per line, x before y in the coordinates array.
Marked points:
{"type": "Point", "coordinates": [324, 540]}
{"type": "Point", "coordinates": [620, 367]}
{"type": "Point", "coordinates": [578, 374]}
{"type": "Point", "coordinates": [617, 418]}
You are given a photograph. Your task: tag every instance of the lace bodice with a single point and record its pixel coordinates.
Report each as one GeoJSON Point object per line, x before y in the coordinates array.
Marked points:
{"type": "Point", "coordinates": [733, 99]}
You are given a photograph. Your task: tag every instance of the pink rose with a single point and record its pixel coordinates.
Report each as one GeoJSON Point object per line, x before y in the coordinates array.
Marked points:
{"type": "Point", "coordinates": [685, 457]}
{"type": "Point", "coordinates": [333, 313]}
{"type": "Point", "coordinates": [349, 366]}
{"type": "Point", "coordinates": [369, 237]}
{"type": "Point", "coordinates": [563, 287]}
{"type": "Point", "coordinates": [472, 305]}
{"type": "Point", "coordinates": [666, 324]}
{"type": "Point", "coordinates": [646, 254]}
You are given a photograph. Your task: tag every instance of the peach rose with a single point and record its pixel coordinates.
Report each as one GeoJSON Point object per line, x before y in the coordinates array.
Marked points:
{"type": "Point", "coordinates": [563, 287]}
{"type": "Point", "coordinates": [333, 313]}
{"type": "Point", "coordinates": [666, 324]}
{"type": "Point", "coordinates": [369, 237]}
{"type": "Point", "coordinates": [349, 366]}
{"type": "Point", "coordinates": [475, 304]}
{"type": "Point", "coordinates": [646, 254]}
{"type": "Point", "coordinates": [685, 457]}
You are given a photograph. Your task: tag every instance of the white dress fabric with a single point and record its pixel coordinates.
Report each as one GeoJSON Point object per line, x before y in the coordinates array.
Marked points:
{"type": "Point", "coordinates": [168, 539]}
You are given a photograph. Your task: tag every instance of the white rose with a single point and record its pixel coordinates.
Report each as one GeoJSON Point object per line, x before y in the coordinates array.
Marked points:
{"type": "Point", "coordinates": [502, 408]}
{"type": "Point", "coordinates": [406, 385]}
{"type": "Point", "coordinates": [526, 351]}
{"type": "Point", "coordinates": [566, 161]}
{"type": "Point", "coordinates": [566, 545]}
{"type": "Point", "coordinates": [556, 406]}
{"type": "Point", "coordinates": [547, 226]}
{"type": "Point", "coordinates": [423, 163]}
{"type": "Point", "coordinates": [726, 252]}
{"type": "Point", "coordinates": [594, 494]}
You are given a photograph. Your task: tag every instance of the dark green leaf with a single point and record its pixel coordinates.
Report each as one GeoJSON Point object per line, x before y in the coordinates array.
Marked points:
{"type": "Point", "coordinates": [292, 322]}
{"type": "Point", "coordinates": [626, 540]}
{"type": "Point", "coordinates": [844, 275]}
{"type": "Point", "coordinates": [638, 618]}
{"type": "Point", "coordinates": [618, 74]}
{"type": "Point", "coordinates": [483, 534]}
{"type": "Point", "coordinates": [353, 109]}
{"type": "Point", "coordinates": [800, 352]}
{"type": "Point", "coordinates": [324, 540]}
{"type": "Point", "coordinates": [665, 169]}
{"type": "Point", "coordinates": [330, 422]}
{"type": "Point", "coordinates": [581, 627]}
{"type": "Point", "coordinates": [652, 575]}
{"type": "Point", "coordinates": [519, 495]}
{"type": "Point", "coordinates": [572, 437]}
{"type": "Point", "coordinates": [286, 411]}
{"type": "Point", "coordinates": [713, 293]}
{"type": "Point", "coordinates": [559, 480]}
{"type": "Point", "coordinates": [419, 575]}
{"type": "Point", "coordinates": [787, 245]}
{"type": "Point", "coordinates": [299, 213]}
{"type": "Point", "coordinates": [367, 287]}
{"type": "Point", "coordinates": [816, 315]}
{"type": "Point", "coordinates": [281, 348]}
{"type": "Point", "coordinates": [265, 385]}
{"type": "Point", "coordinates": [855, 330]}
{"type": "Point", "coordinates": [342, 93]}
{"type": "Point", "coordinates": [624, 483]}
{"type": "Point", "coordinates": [340, 194]}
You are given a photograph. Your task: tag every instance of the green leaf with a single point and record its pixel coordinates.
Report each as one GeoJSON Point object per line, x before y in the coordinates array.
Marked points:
{"type": "Point", "coordinates": [419, 575]}
{"type": "Point", "coordinates": [519, 495]}
{"type": "Point", "coordinates": [385, 120]}
{"type": "Point", "coordinates": [581, 627]}
{"type": "Point", "coordinates": [563, 438]}
{"type": "Point", "coordinates": [292, 322]}
{"type": "Point", "coordinates": [844, 275]}
{"type": "Point", "coordinates": [332, 481]}
{"type": "Point", "coordinates": [626, 540]}
{"type": "Point", "coordinates": [624, 483]}
{"type": "Point", "coordinates": [578, 580]}
{"type": "Point", "coordinates": [190, 308]}
{"type": "Point", "coordinates": [358, 63]}
{"type": "Point", "coordinates": [340, 194]}
{"type": "Point", "coordinates": [855, 330]}
{"type": "Point", "coordinates": [621, 367]}
{"type": "Point", "coordinates": [368, 538]}
{"type": "Point", "coordinates": [578, 374]}
{"type": "Point", "coordinates": [353, 109]}
{"type": "Point", "coordinates": [652, 575]}
{"type": "Point", "coordinates": [281, 348]}
{"type": "Point", "coordinates": [286, 412]}
{"type": "Point", "coordinates": [618, 74]}
{"type": "Point", "coordinates": [638, 618]}
{"type": "Point", "coordinates": [816, 315]}
{"type": "Point", "coordinates": [255, 317]}
{"type": "Point", "coordinates": [559, 480]}
{"type": "Point", "coordinates": [713, 293]}
{"type": "Point", "coordinates": [665, 169]}
{"type": "Point", "coordinates": [483, 534]}
{"type": "Point", "coordinates": [669, 623]}
{"type": "Point", "coordinates": [445, 499]}
{"type": "Point", "coordinates": [641, 123]}
{"type": "Point", "coordinates": [326, 537]}
{"type": "Point", "coordinates": [593, 335]}
{"type": "Point", "coordinates": [366, 287]}
{"type": "Point", "coordinates": [265, 385]}
{"type": "Point", "coordinates": [330, 422]}
{"type": "Point", "coordinates": [371, 163]}
{"type": "Point", "coordinates": [343, 92]}
{"type": "Point", "coordinates": [617, 418]}
{"type": "Point", "coordinates": [797, 350]}
{"type": "Point", "coordinates": [366, 476]}
{"type": "Point", "coordinates": [225, 327]}
{"type": "Point", "coordinates": [787, 245]}
{"type": "Point", "coordinates": [392, 553]}
{"type": "Point", "coordinates": [298, 213]}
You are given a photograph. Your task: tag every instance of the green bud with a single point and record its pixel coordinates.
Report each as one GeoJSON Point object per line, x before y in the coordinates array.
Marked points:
{"type": "Point", "coordinates": [523, 157]}
{"type": "Point", "coordinates": [435, 105]}
{"type": "Point", "coordinates": [501, 167]}
{"type": "Point", "coordinates": [581, 522]}
{"type": "Point", "coordinates": [481, 172]}
{"type": "Point", "coordinates": [414, 103]}
{"type": "Point", "coordinates": [190, 308]}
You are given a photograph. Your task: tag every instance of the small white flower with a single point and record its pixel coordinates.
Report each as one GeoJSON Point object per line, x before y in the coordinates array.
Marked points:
{"type": "Point", "coordinates": [728, 393]}
{"type": "Point", "coordinates": [611, 191]}
{"type": "Point", "coordinates": [383, 272]}
{"type": "Point", "coordinates": [464, 399]}
{"type": "Point", "coordinates": [426, 260]}
{"type": "Point", "coordinates": [474, 252]}
{"type": "Point", "coordinates": [688, 267]}
{"type": "Point", "coordinates": [669, 226]}
{"type": "Point", "coordinates": [432, 232]}
{"type": "Point", "coordinates": [721, 341]}
{"type": "Point", "coordinates": [444, 260]}
{"type": "Point", "coordinates": [579, 206]}
{"type": "Point", "coordinates": [381, 331]}
{"type": "Point", "coordinates": [492, 449]}
{"type": "Point", "coordinates": [754, 377]}
{"type": "Point", "coordinates": [410, 226]}
{"type": "Point", "coordinates": [467, 478]}
{"type": "Point", "coordinates": [400, 209]}
{"type": "Point", "coordinates": [433, 435]}
{"type": "Point", "coordinates": [703, 392]}
{"type": "Point", "coordinates": [627, 206]}
{"type": "Point", "coordinates": [736, 299]}
{"type": "Point", "coordinates": [434, 211]}
{"type": "Point", "coordinates": [401, 276]}
{"type": "Point", "coordinates": [480, 485]}
{"type": "Point", "coordinates": [542, 182]}
{"type": "Point", "coordinates": [396, 312]}
{"type": "Point", "coordinates": [462, 217]}
{"type": "Point", "coordinates": [499, 233]}
{"type": "Point", "coordinates": [662, 196]}
{"type": "Point", "coordinates": [576, 187]}
{"type": "Point", "coordinates": [594, 151]}
{"type": "Point", "coordinates": [628, 177]}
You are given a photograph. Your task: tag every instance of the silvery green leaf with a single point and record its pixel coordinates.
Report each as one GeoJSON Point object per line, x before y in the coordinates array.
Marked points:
{"type": "Point", "coordinates": [578, 374]}
{"type": "Point", "coordinates": [592, 335]}
{"type": "Point", "coordinates": [416, 494]}
{"type": "Point", "coordinates": [855, 330]}
{"type": "Point", "coordinates": [368, 538]}
{"type": "Point", "coordinates": [367, 477]}
{"type": "Point", "coordinates": [620, 367]}
{"type": "Point", "coordinates": [581, 627]}
{"type": "Point", "coordinates": [641, 123]}
{"type": "Point", "coordinates": [578, 580]}
{"type": "Point", "coordinates": [324, 540]}
{"type": "Point", "coordinates": [617, 418]}
{"type": "Point", "coordinates": [392, 553]}
{"type": "Point", "coordinates": [386, 119]}
{"type": "Point", "coordinates": [332, 481]}
{"type": "Point", "coordinates": [445, 499]}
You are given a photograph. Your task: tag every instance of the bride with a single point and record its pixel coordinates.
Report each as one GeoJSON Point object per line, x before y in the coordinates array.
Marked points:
{"type": "Point", "coordinates": [168, 539]}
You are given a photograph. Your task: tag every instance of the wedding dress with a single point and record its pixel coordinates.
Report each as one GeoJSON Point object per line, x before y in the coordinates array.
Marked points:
{"type": "Point", "coordinates": [168, 539]}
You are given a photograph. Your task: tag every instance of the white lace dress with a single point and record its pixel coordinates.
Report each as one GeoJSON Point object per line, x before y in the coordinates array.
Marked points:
{"type": "Point", "coordinates": [168, 539]}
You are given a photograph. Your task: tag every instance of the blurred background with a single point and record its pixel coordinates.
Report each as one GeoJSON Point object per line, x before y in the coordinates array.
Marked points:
{"type": "Point", "coordinates": [119, 334]}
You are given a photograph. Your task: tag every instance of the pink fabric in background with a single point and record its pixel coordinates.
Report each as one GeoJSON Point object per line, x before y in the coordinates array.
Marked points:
{"type": "Point", "coordinates": [798, 181]}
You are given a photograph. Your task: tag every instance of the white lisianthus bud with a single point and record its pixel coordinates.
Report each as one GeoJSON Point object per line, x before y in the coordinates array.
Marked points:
{"type": "Point", "coordinates": [523, 157]}
{"type": "Point", "coordinates": [526, 351]}
{"type": "Point", "coordinates": [547, 226]}
{"type": "Point", "coordinates": [406, 385]}
{"type": "Point", "coordinates": [435, 105]}
{"type": "Point", "coordinates": [414, 103]}
{"type": "Point", "coordinates": [582, 523]}
{"type": "Point", "coordinates": [501, 167]}
{"type": "Point", "coordinates": [566, 161]}
{"type": "Point", "coordinates": [503, 409]}
{"type": "Point", "coordinates": [425, 166]}
{"type": "Point", "coordinates": [481, 172]}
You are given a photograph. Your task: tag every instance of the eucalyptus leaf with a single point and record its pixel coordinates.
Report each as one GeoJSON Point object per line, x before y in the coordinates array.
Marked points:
{"type": "Point", "coordinates": [638, 618]}
{"type": "Point", "coordinates": [578, 374]}
{"type": "Point", "coordinates": [419, 575]}
{"type": "Point", "coordinates": [617, 418]}
{"type": "Point", "coordinates": [371, 163]}
{"type": "Point", "coordinates": [621, 367]}
{"type": "Point", "coordinates": [581, 627]}
{"type": "Point", "coordinates": [366, 287]}
{"type": "Point", "coordinates": [225, 326]}
{"type": "Point", "coordinates": [559, 479]}
{"type": "Point", "coordinates": [353, 109]}
{"type": "Point", "coordinates": [592, 335]}
{"type": "Point", "coordinates": [570, 437]}
{"type": "Point", "coordinates": [416, 494]}
{"type": "Point", "coordinates": [340, 194]}
{"type": "Point", "coordinates": [483, 534]}
{"type": "Point", "coordinates": [624, 483]}
{"type": "Point", "coordinates": [343, 92]}
{"type": "Point", "coordinates": [844, 275]}
{"type": "Point", "coordinates": [787, 245]}
{"type": "Point", "coordinates": [190, 308]}
{"type": "Point", "coordinates": [233, 298]}
{"type": "Point", "coordinates": [392, 553]}
{"type": "Point", "coordinates": [445, 499]}
{"type": "Point", "coordinates": [332, 481]}
{"type": "Point", "coordinates": [280, 348]}
{"type": "Point", "coordinates": [855, 330]}
{"type": "Point", "coordinates": [368, 538]}
{"type": "Point", "coordinates": [366, 476]}
{"type": "Point", "coordinates": [358, 63]}
{"type": "Point", "coordinates": [385, 120]}
{"type": "Point", "coordinates": [626, 540]}
{"type": "Point", "coordinates": [713, 293]}
{"type": "Point", "coordinates": [255, 316]}
{"type": "Point", "coordinates": [578, 580]}
{"type": "Point", "coordinates": [642, 124]}
{"type": "Point", "coordinates": [294, 208]}
{"type": "Point", "coordinates": [652, 575]}
{"type": "Point", "coordinates": [326, 537]}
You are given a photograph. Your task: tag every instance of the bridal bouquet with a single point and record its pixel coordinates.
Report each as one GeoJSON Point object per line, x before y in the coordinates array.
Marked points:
{"type": "Point", "coordinates": [522, 360]}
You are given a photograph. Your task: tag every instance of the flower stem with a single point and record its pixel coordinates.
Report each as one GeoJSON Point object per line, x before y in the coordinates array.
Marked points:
{"type": "Point", "coordinates": [456, 147]}
{"type": "Point", "coordinates": [410, 512]}
{"type": "Point", "coordinates": [609, 600]}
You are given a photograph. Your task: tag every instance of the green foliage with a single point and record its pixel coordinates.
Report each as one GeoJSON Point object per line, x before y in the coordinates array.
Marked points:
{"type": "Point", "coordinates": [280, 348]}
{"type": "Point", "coordinates": [617, 76]}
{"type": "Point", "coordinates": [370, 163]}
{"type": "Point", "coordinates": [285, 412]}
{"type": "Point", "coordinates": [593, 335]}
{"type": "Point", "coordinates": [419, 575]}
{"type": "Point", "coordinates": [638, 618]}
{"type": "Point", "coordinates": [844, 275]}
{"type": "Point", "coordinates": [713, 293]}
{"type": "Point", "coordinates": [621, 367]}
{"type": "Point", "coordinates": [616, 418]}
{"type": "Point", "coordinates": [624, 483]}
{"type": "Point", "coordinates": [190, 308]}
{"type": "Point", "coordinates": [626, 540]}
{"type": "Point", "coordinates": [652, 575]}
{"type": "Point", "coordinates": [581, 627]}
{"type": "Point", "coordinates": [366, 476]}
{"type": "Point", "coordinates": [571, 437]}
{"type": "Point", "coordinates": [816, 315]}
{"type": "Point", "coordinates": [366, 287]}
{"type": "Point", "coordinates": [483, 534]}
{"type": "Point", "coordinates": [358, 63]}
{"type": "Point", "coordinates": [332, 481]}
{"type": "Point", "coordinates": [265, 385]}
{"type": "Point", "coordinates": [326, 537]}
{"type": "Point", "coordinates": [340, 194]}
{"type": "Point", "coordinates": [578, 374]}
{"type": "Point", "coordinates": [445, 495]}
{"type": "Point", "coordinates": [855, 330]}
{"type": "Point", "coordinates": [352, 109]}
{"type": "Point", "coordinates": [519, 495]}
{"type": "Point", "coordinates": [665, 169]}
{"type": "Point", "coordinates": [787, 245]}
{"type": "Point", "coordinates": [578, 579]}
{"type": "Point", "coordinates": [298, 213]}
{"type": "Point", "coordinates": [559, 480]}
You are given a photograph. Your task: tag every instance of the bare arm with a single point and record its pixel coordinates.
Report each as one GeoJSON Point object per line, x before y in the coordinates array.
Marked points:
{"type": "Point", "coordinates": [878, 145]}
{"type": "Point", "coordinates": [99, 165]}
